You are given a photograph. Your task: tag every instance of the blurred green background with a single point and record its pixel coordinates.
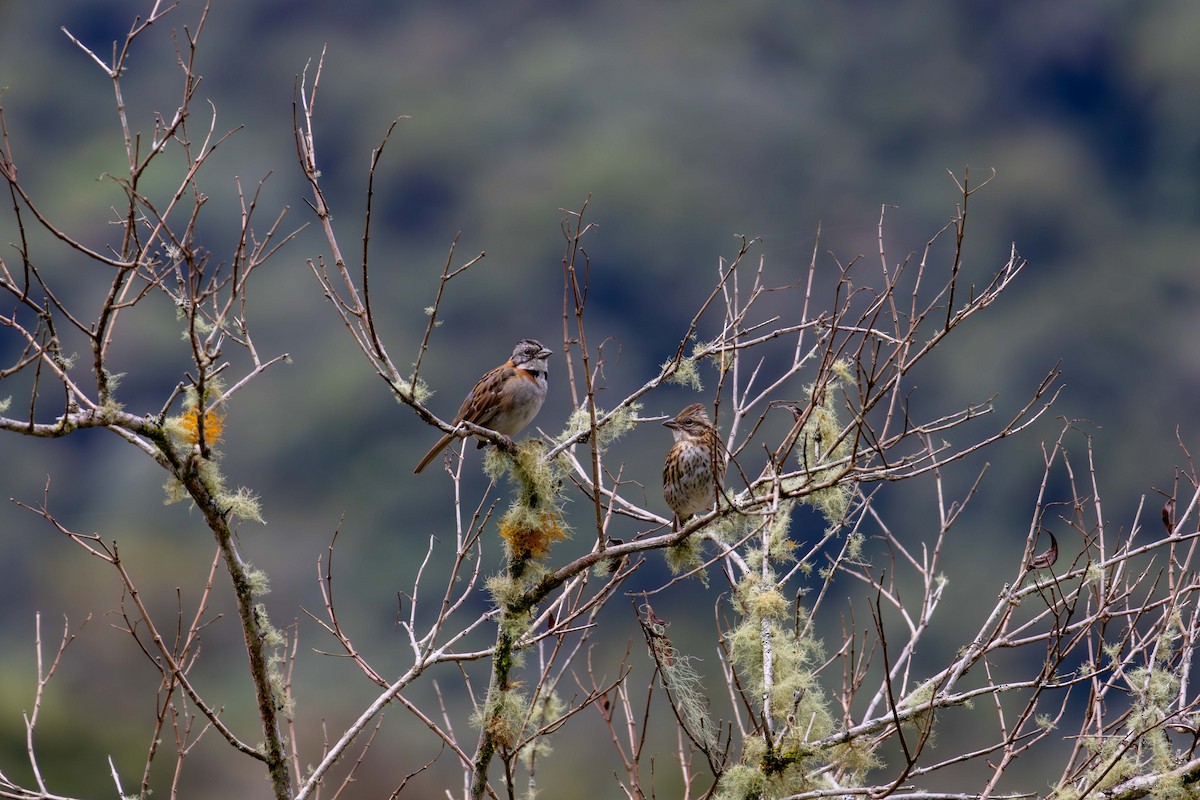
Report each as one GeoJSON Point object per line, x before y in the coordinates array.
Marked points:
{"type": "Point", "coordinates": [687, 124]}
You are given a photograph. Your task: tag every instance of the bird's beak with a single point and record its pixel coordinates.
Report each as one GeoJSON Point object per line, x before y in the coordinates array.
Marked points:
{"type": "Point", "coordinates": [672, 424]}
{"type": "Point", "coordinates": [546, 353]}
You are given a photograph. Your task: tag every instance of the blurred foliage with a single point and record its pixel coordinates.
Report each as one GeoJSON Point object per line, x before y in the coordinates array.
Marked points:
{"type": "Point", "coordinates": [687, 123]}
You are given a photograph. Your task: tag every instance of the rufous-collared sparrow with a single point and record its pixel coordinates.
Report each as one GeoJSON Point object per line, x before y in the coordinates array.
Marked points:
{"type": "Point", "coordinates": [506, 399]}
{"type": "Point", "coordinates": [695, 466]}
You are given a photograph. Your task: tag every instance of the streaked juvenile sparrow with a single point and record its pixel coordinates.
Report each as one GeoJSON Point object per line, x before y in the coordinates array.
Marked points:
{"type": "Point", "coordinates": [506, 399]}
{"type": "Point", "coordinates": [695, 468]}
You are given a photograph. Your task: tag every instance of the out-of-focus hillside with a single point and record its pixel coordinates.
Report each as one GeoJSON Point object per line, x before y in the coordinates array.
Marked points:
{"type": "Point", "coordinates": [686, 124]}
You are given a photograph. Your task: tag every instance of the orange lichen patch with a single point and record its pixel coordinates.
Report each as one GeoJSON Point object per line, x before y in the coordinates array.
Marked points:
{"type": "Point", "coordinates": [532, 540]}
{"type": "Point", "coordinates": [214, 425]}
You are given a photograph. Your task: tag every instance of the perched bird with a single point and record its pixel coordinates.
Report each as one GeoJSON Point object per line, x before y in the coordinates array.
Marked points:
{"type": "Point", "coordinates": [506, 399]}
{"type": "Point", "coordinates": [694, 469]}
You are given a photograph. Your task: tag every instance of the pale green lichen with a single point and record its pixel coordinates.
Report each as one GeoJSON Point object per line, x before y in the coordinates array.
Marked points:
{"type": "Point", "coordinates": [183, 431]}
{"type": "Point", "coordinates": [797, 709]}
{"type": "Point", "coordinates": [684, 684]}
{"type": "Point", "coordinates": [824, 451]}
{"type": "Point", "coordinates": [534, 521]}
{"type": "Point", "coordinates": [1143, 746]}
{"type": "Point", "coordinates": [717, 351]}
{"type": "Point", "coordinates": [258, 581]}
{"type": "Point", "coordinates": [412, 392]}
{"type": "Point", "coordinates": [545, 711]}
{"type": "Point", "coordinates": [686, 556]}
{"type": "Point", "coordinates": [780, 547]}
{"type": "Point", "coordinates": [685, 373]}
{"type": "Point", "coordinates": [618, 423]}
{"type": "Point", "coordinates": [691, 699]}
{"type": "Point", "coordinates": [285, 703]}
{"type": "Point", "coordinates": [505, 590]}
{"type": "Point", "coordinates": [503, 716]}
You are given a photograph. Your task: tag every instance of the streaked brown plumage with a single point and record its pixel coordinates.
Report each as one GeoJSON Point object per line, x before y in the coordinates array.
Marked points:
{"type": "Point", "coordinates": [694, 467]}
{"type": "Point", "coordinates": [506, 399]}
